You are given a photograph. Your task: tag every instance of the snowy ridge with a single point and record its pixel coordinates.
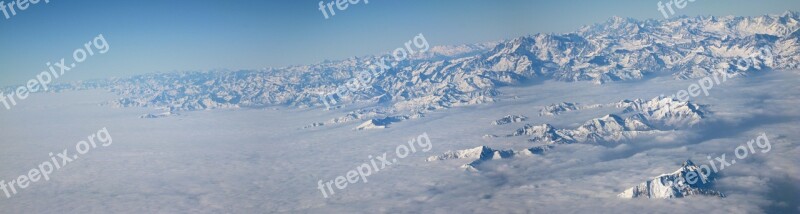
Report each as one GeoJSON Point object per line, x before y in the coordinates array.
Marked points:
{"type": "Point", "coordinates": [510, 119]}
{"type": "Point", "coordinates": [159, 115]}
{"type": "Point", "coordinates": [380, 123]}
{"type": "Point", "coordinates": [484, 153]}
{"type": "Point", "coordinates": [559, 108]}
{"type": "Point", "coordinates": [610, 128]}
{"type": "Point", "coordinates": [379, 116]}
{"type": "Point", "coordinates": [555, 109]}
{"type": "Point", "coordinates": [666, 113]}
{"type": "Point", "coordinates": [686, 181]}
{"type": "Point", "coordinates": [655, 115]}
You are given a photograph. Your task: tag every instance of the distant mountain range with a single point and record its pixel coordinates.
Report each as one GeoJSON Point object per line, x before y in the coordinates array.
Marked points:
{"type": "Point", "coordinates": [446, 76]}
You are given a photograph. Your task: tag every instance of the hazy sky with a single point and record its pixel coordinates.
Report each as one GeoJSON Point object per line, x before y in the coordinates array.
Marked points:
{"type": "Point", "coordinates": [159, 36]}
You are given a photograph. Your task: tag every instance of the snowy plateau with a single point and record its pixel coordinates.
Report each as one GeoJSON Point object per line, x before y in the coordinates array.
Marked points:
{"type": "Point", "coordinates": [545, 123]}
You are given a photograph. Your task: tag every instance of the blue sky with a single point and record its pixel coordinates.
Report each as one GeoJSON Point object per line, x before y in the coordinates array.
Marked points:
{"type": "Point", "coordinates": [159, 36]}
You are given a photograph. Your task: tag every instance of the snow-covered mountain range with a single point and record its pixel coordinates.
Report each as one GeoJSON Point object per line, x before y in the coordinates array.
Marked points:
{"type": "Point", "coordinates": [618, 49]}
{"type": "Point", "coordinates": [658, 115]}
{"type": "Point", "coordinates": [481, 154]}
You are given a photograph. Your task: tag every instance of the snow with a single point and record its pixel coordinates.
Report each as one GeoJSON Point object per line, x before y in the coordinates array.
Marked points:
{"type": "Point", "coordinates": [245, 156]}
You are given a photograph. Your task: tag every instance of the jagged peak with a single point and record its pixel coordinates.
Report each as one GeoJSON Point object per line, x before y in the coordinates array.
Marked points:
{"type": "Point", "coordinates": [687, 163]}
{"type": "Point", "coordinates": [789, 13]}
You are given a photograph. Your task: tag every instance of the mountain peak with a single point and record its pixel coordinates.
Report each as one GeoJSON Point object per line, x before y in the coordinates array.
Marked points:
{"type": "Point", "coordinates": [689, 180]}
{"type": "Point", "coordinates": [789, 13]}
{"type": "Point", "coordinates": [688, 163]}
